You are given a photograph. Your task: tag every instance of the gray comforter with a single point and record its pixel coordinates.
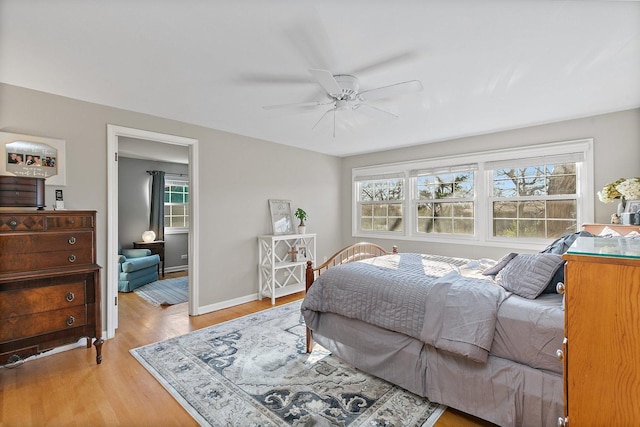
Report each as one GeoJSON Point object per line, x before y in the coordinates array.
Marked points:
{"type": "Point", "coordinates": [441, 301]}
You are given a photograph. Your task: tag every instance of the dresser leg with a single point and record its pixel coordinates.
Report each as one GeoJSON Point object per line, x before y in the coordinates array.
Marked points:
{"type": "Point", "coordinates": [98, 343]}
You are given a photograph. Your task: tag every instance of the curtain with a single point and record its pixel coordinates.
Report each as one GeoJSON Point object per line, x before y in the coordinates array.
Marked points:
{"type": "Point", "coordinates": [156, 217]}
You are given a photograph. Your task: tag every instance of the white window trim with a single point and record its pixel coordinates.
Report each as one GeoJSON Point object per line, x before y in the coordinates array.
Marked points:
{"type": "Point", "coordinates": [482, 224]}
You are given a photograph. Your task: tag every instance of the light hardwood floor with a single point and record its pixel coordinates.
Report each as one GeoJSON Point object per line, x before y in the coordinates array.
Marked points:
{"type": "Point", "coordinates": [70, 389]}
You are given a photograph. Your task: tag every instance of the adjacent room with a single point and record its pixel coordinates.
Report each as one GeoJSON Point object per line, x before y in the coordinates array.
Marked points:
{"type": "Point", "coordinates": [416, 213]}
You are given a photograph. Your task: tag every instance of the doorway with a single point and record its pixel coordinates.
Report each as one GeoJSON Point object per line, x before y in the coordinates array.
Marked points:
{"type": "Point", "coordinates": [114, 136]}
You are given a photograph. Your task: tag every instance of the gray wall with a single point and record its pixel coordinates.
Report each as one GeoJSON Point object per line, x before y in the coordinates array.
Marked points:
{"type": "Point", "coordinates": [616, 154]}
{"type": "Point", "coordinates": [134, 184]}
{"type": "Point", "coordinates": [237, 176]}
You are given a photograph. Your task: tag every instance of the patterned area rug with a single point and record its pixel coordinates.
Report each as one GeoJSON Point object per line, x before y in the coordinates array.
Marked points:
{"type": "Point", "coordinates": [165, 292]}
{"type": "Point", "coordinates": [253, 371]}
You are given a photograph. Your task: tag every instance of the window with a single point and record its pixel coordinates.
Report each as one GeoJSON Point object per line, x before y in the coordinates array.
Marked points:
{"type": "Point", "coordinates": [537, 201]}
{"type": "Point", "coordinates": [380, 204]}
{"type": "Point", "coordinates": [522, 196]}
{"type": "Point", "coordinates": [445, 201]}
{"type": "Point", "coordinates": [176, 204]}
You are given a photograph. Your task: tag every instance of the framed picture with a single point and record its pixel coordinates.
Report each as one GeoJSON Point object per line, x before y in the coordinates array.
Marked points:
{"type": "Point", "coordinates": [633, 206]}
{"type": "Point", "coordinates": [301, 253]}
{"type": "Point", "coordinates": [33, 156]}
{"type": "Point", "coordinates": [281, 218]}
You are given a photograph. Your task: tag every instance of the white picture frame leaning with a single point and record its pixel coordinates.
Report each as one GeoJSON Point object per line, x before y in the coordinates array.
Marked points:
{"type": "Point", "coordinates": [301, 253]}
{"type": "Point", "coordinates": [632, 206]}
{"type": "Point", "coordinates": [53, 171]}
{"type": "Point", "coordinates": [281, 217]}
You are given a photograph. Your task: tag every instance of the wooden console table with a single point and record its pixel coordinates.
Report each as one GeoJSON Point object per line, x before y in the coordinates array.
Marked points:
{"type": "Point", "coordinates": [156, 247]}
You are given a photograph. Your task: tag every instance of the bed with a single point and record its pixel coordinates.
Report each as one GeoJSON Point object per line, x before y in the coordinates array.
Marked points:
{"type": "Point", "coordinates": [475, 335]}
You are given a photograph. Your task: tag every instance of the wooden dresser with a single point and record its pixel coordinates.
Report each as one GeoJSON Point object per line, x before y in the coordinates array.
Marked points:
{"type": "Point", "coordinates": [602, 333]}
{"type": "Point", "coordinates": [49, 282]}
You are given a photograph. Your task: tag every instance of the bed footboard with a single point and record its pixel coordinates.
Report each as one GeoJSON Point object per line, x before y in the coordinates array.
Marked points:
{"type": "Point", "coordinates": [355, 252]}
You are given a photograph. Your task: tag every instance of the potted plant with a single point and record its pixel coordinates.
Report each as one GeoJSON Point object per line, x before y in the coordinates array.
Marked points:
{"type": "Point", "coordinates": [301, 215]}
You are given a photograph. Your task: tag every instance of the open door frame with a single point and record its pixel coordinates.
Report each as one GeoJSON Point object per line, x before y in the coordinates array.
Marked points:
{"type": "Point", "coordinates": [113, 133]}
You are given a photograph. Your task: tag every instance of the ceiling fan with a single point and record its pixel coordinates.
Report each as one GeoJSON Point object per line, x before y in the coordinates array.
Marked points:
{"type": "Point", "coordinates": [344, 95]}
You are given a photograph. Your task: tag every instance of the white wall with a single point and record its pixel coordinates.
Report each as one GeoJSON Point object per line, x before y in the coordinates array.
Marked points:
{"type": "Point", "coordinates": [616, 152]}
{"type": "Point", "coordinates": [237, 176]}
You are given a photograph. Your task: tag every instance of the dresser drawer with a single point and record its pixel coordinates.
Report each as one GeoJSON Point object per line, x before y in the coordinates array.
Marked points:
{"type": "Point", "coordinates": [65, 222]}
{"type": "Point", "coordinates": [45, 242]}
{"type": "Point", "coordinates": [16, 263]}
{"type": "Point", "coordinates": [17, 327]}
{"type": "Point", "coordinates": [25, 222]}
{"type": "Point", "coordinates": [38, 300]}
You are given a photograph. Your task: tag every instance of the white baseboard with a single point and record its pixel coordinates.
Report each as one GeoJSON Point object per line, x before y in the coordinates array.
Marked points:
{"type": "Point", "coordinates": [176, 268]}
{"type": "Point", "coordinates": [226, 304]}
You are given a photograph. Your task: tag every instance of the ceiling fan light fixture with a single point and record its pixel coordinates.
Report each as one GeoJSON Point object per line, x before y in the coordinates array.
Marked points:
{"type": "Point", "coordinates": [342, 105]}
{"type": "Point", "coordinates": [349, 85]}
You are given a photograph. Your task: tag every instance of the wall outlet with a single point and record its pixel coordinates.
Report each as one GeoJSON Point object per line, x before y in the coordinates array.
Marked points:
{"type": "Point", "coordinates": [184, 256]}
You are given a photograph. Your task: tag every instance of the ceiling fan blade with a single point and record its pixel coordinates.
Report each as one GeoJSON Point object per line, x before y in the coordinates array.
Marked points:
{"type": "Point", "coordinates": [297, 105]}
{"type": "Point", "coordinates": [390, 61]}
{"type": "Point", "coordinates": [391, 90]}
{"type": "Point", "coordinates": [325, 113]}
{"type": "Point", "coordinates": [327, 81]}
{"type": "Point", "coordinates": [273, 78]}
{"type": "Point", "coordinates": [374, 112]}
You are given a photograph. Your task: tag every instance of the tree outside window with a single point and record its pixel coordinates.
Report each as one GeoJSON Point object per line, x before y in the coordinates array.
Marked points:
{"type": "Point", "coordinates": [535, 201]}
{"type": "Point", "coordinates": [380, 204]}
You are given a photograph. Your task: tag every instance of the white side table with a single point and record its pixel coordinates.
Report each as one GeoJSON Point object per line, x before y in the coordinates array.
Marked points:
{"type": "Point", "coordinates": [282, 260]}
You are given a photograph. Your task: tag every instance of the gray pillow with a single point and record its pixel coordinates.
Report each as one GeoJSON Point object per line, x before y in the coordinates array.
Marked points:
{"type": "Point", "coordinates": [527, 275]}
{"type": "Point", "coordinates": [502, 263]}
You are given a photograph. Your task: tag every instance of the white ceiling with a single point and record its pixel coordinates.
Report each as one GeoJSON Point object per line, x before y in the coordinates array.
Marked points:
{"type": "Point", "coordinates": [485, 65]}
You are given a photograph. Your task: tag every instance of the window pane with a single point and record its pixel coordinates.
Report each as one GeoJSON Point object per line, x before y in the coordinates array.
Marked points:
{"type": "Point", "coordinates": [505, 209]}
{"type": "Point", "coordinates": [532, 209]}
{"type": "Point", "coordinates": [380, 224]}
{"type": "Point", "coordinates": [443, 225]}
{"type": "Point", "coordinates": [505, 228]}
{"type": "Point", "coordinates": [425, 225]}
{"type": "Point", "coordinates": [562, 184]}
{"type": "Point", "coordinates": [380, 210]}
{"type": "Point", "coordinates": [531, 228]}
{"type": "Point", "coordinates": [463, 210]}
{"type": "Point", "coordinates": [504, 188]}
{"type": "Point", "coordinates": [556, 229]}
{"type": "Point", "coordinates": [366, 192]}
{"type": "Point", "coordinates": [395, 209]}
{"type": "Point", "coordinates": [395, 224]}
{"type": "Point", "coordinates": [562, 209]}
{"type": "Point", "coordinates": [366, 223]}
{"type": "Point", "coordinates": [463, 226]}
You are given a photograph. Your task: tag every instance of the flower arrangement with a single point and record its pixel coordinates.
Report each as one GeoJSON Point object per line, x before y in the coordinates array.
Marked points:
{"type": "Point", "coordinates": [623, 188]}
{"type": "Point", "coordinates": [630, 188]}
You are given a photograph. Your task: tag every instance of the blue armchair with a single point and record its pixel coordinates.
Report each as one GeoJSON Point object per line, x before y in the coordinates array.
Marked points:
{"type": "Point", "coordinates": [136, 267]}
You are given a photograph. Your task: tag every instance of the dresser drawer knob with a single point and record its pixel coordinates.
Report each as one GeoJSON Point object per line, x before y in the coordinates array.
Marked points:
{"type": "Point", "coordinates": [71, 320]}
{"type": "Point", "coordinates": [72, 258]}
{"type": "Point", "coordinates": [560, 355]}
{"type": "Point", "coordinates": [70, 296]}
{"type": "Point", "coordinates": [563, 422]}
{"type": "Point", "coordinates": [13, 223]}
{"type": "Point", "coordinates": [71, 221]}
{"type": "Point", "coordinates": [560, 288]}
{"type": "Point", "coordinates": [72, 240]}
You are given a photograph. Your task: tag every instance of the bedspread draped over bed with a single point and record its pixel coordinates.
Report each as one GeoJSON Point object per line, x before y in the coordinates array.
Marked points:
{"type": "Point", "coordinates": [442, 301]}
